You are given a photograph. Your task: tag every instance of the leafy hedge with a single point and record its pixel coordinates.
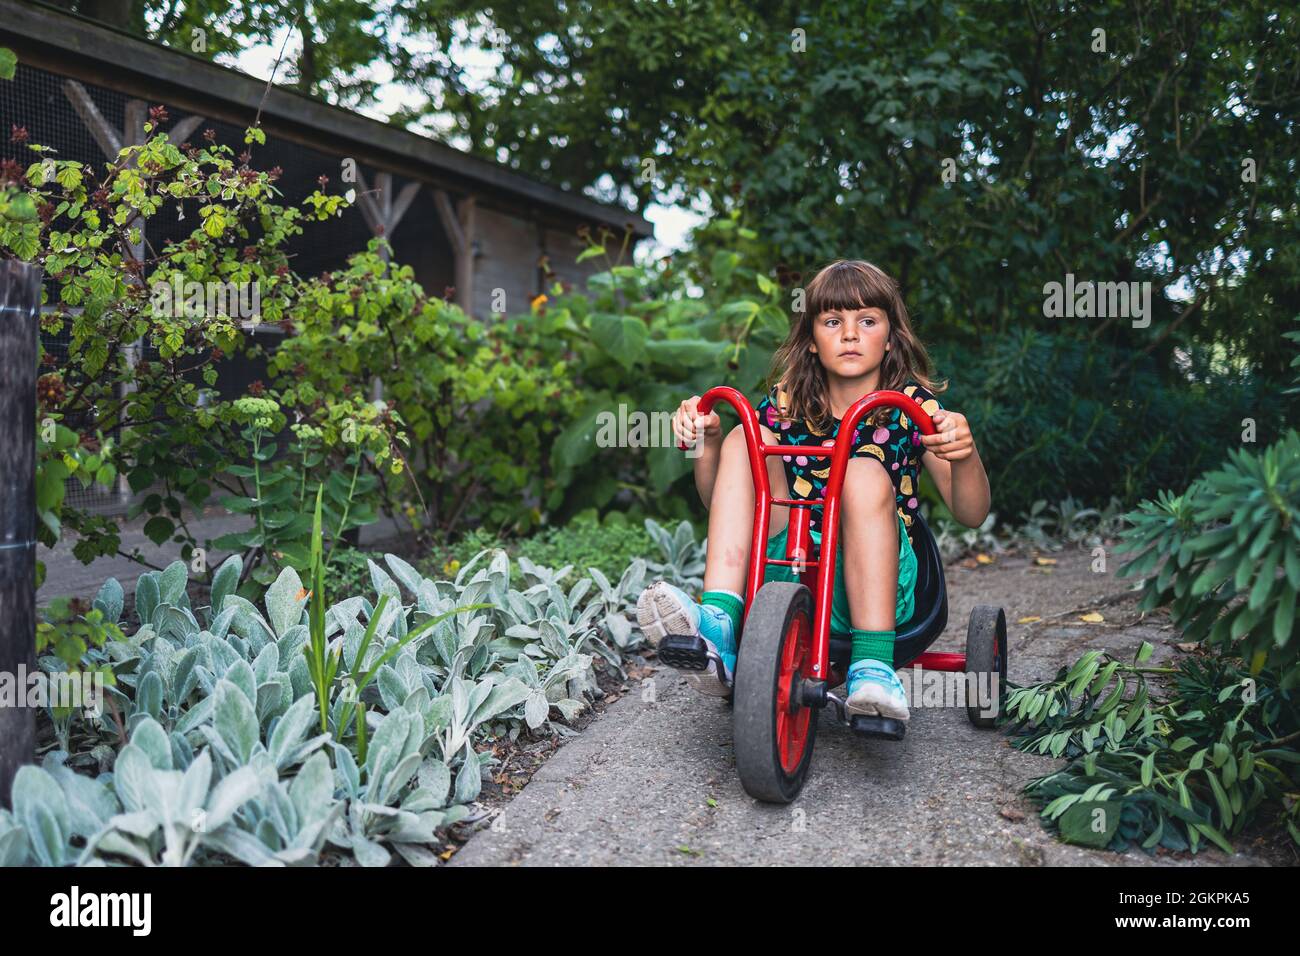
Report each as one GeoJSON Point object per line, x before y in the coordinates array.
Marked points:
{"type": "Point", "coordinates": [1054, 414]}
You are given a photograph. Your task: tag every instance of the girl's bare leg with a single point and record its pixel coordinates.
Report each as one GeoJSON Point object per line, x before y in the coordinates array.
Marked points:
{"type": "Point", "coordinates": [662, 609]}
{"type": "Point", "coordinates": [731, 513]}
{"type": "Point", "coordinates": [869, 532]}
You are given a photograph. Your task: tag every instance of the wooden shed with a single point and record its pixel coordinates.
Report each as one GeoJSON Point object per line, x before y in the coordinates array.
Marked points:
{"type": "Point", "coordinates": [458, 220]}
{"type": "Point", "coordinates": [461, 222]}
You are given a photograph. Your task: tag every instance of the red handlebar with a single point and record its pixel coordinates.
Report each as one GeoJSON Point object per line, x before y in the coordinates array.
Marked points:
{"type": "Point", "coordinates": [866, 403]}
{"type": "Point", "coordinates": [839, 453]}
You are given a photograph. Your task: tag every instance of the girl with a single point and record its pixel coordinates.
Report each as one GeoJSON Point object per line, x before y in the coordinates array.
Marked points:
{"type": "Point", "coordinates": [854, 337]}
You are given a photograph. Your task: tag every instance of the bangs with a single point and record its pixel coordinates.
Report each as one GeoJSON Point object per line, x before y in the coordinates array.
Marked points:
{"type": "Point", "coordinates": [851, 285]}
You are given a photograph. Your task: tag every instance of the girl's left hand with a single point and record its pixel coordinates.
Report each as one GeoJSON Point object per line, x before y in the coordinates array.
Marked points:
{"type": "Point", "coordinates": [952, 440]}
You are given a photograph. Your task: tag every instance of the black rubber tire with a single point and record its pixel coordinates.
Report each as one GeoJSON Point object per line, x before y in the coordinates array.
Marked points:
{"type": "Point", "coordinates": [758, 760]}
{"type": "Point", "coordinates": [986, 653]}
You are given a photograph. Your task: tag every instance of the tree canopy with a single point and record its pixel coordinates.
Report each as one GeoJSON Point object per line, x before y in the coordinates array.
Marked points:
{"type": "Point", "coordinates": [978, 152]}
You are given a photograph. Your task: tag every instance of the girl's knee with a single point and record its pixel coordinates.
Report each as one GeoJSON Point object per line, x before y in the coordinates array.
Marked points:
{"type": "Point", "coordinates": [867, 486]}
{"type": "Point", "coordinates": [735, 438]}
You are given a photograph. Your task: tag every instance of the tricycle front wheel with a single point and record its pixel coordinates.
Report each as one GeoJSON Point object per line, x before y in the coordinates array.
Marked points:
{"type": "Point", "coordinates": [774, 729]}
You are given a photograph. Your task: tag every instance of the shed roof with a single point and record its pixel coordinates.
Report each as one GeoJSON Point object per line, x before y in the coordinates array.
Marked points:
{"type": "Point", "coordinates": [73, 46]}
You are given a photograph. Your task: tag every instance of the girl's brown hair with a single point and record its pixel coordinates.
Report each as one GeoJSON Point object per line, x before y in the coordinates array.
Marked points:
{"type": "Point", "coordinates": [846, 284]}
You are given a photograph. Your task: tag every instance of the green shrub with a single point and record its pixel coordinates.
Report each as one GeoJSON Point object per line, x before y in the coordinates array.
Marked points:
{"type": "Point", "coordinates": [585, 542]}
{"type": "Point", "coordinates": [248, 716]}
{"type": "Point", "coordinates": [1224, 557]}
{"type": "Point", "coordinates": [349, 570]}
{"type": "Point", "coordinates": [138, 396]}
{"type": "Point", "coordinates": [1054, 415]}
{"type": "Point", "coordinates": [1215, 758]}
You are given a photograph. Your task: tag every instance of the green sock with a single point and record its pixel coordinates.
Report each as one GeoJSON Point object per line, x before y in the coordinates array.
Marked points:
{"type": "Point", "coordinates": [731, 603]}
{"type": "Point", "coordinates": [872, 645]}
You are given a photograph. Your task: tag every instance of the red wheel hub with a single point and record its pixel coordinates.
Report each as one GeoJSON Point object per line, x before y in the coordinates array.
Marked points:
{"type": "Point", "coordinates": [792, 715]}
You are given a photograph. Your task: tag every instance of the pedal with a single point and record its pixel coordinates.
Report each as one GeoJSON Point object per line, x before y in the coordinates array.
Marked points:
{"type": "Point", "coordinates": [686, 652]}
{"type": "Point", "coordinates": [885, 728]}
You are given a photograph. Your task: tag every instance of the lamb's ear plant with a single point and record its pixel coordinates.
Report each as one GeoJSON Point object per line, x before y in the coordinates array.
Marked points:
{"type": "Point", "coordinates": [683, 558]}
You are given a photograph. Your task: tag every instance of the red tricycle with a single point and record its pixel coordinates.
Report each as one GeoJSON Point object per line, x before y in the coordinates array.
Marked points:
{"type": "Point", "coordinates": [788, 659]}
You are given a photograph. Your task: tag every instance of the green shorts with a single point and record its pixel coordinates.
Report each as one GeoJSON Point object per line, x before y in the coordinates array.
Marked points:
{"type": "Point", "coordinates": [840, 603]}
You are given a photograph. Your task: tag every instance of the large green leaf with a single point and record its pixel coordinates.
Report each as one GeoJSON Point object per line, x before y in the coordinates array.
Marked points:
{"type": "Point", "coordinates": [622, 337]}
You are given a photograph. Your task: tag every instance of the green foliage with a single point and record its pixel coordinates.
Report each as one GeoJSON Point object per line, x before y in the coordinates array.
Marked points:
{"type": "Point", "coordinates": [457, 384]}
{"type": "Point", "coordinates": [1053, 415]}
{"type": "Point", "coordinates": [348, 571]}
{"type": "Point", "coordinates": [975, 155]}
{"type": "Point", "coordinates": [584, 542]}
{"type": "Point", "coordinates": [643, 343]}
{"type": "Point", "coordinates": [547, 378]}
{"type": "Point", "coordinates": [67, 629]}
{"type": "Point", "coordinates": [62, 454]}
{"type": "Point", "coordinates": [1224, 557]}
{"type": "Point", "coordinates": [1215, 758]}
{"type": "Point", "coordinates": [268, 733]}
{"type": "Point", "coordinates": [193, 301]}
{"type": "Point", "coordinates": [281, 536]}
{"type": "Point", "coordinates": [1294, 336]}
{"type": "Point", "coordinates": [67, 633]}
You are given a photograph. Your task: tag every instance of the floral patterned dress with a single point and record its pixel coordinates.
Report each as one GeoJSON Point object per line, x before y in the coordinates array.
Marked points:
{"type": "Point", "coordinates": [896, 443]}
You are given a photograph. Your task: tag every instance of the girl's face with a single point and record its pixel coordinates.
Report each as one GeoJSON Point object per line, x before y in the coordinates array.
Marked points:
{"type": "Point", "coordinates": [851, 342]}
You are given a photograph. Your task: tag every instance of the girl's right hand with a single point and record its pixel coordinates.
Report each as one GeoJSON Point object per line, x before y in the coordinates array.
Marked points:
{"type": "Point", "coordinates": [689, 424]}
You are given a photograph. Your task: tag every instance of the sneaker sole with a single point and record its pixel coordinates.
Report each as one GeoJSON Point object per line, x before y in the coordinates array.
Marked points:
{"type": "Point", "coordinates": [659, 614]}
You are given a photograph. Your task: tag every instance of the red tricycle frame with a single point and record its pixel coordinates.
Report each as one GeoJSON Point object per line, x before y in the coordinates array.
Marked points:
{"type": "Point", "coordinates": [798, 544]}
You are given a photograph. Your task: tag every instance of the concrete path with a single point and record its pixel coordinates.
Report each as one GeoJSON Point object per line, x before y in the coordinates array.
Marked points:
{"type": "Point", "coordinates": [652, 781]}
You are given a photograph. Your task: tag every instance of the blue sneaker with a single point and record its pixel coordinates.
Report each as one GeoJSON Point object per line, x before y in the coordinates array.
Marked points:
{"type": "Point", "coordinates": [663, 609]}
{"type": "Point", "coordinates": [875, 690]}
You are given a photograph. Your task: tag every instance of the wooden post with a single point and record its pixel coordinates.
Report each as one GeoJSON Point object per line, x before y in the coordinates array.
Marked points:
{"type": "Point", "coordinates": [20, 303]}
{"type": "Point", "coordinates": [459, 224]}
{"type": "Point", "coordinates": [382, 214]}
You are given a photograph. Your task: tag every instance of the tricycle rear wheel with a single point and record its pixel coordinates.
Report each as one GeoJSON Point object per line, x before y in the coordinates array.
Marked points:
{"type": "Point", "coordinates": [986, 664]}
{"type": "Point", "coordinates": [774, 729]}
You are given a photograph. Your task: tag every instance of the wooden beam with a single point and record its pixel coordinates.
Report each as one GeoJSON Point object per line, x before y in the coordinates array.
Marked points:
{"type": "Point", "coordinates": [137, 114]}
{"type": "Point", "coordinates": [109, 140]}
{"type": "Point", "coordinates": [367, 205]}
{"type": "Point", "coordinates": [465, 210]}
{"type": "Point", "coordinates": [384, 196]}
{"type": "Point", "coordinates": [183, 129]}
{"type": "Point", "coordinates": [70, 46]}
{"type": "Point", "coordinates": [459, 225]}
{"type": "Point", "coordinates": [402, 203]}
{"type": "Point", "coordinates": [450, 222]}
